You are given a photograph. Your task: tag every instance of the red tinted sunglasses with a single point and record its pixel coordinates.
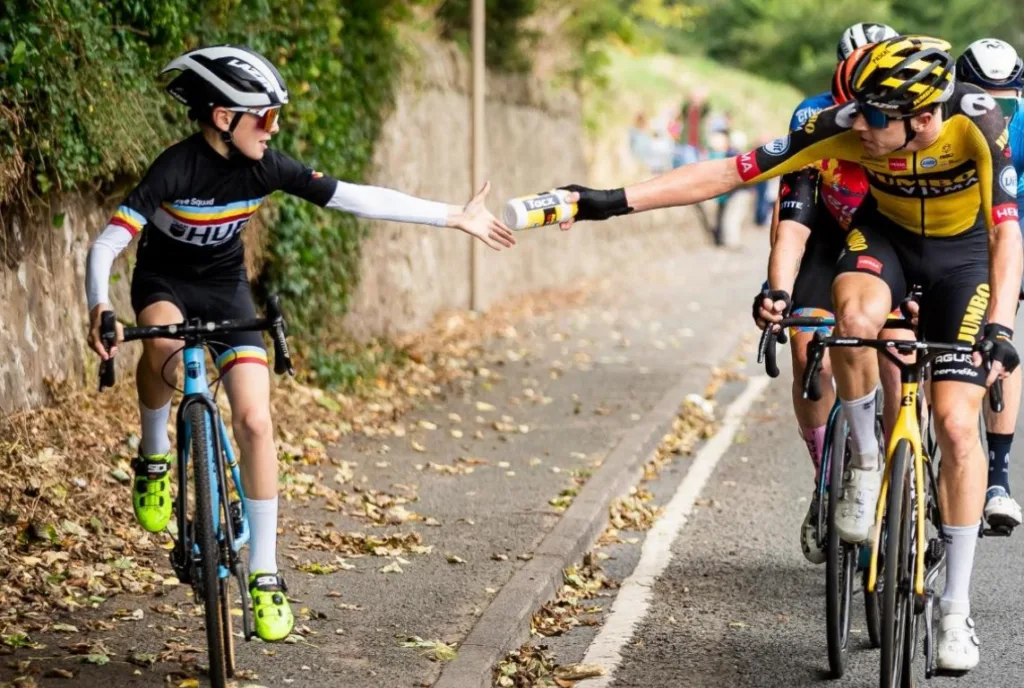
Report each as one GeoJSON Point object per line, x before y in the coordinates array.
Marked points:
{"type": "Point", "coordinates": [267, 116]}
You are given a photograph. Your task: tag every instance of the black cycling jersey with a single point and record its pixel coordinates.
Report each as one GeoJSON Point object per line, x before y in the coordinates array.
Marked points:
{"type": "Point", "coordinates": [193, 203]}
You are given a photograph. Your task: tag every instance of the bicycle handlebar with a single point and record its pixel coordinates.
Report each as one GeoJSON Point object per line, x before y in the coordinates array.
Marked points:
{"type": "Point", "coordinates": [766, 352]}
{"type": "Point", "coordinates": [274, 322]}
{"type": "Point", "coordinates": [928, 350]}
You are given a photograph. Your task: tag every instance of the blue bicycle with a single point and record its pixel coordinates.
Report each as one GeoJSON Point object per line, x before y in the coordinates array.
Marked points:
{"type": "Point", "coordinates": [206, 551]}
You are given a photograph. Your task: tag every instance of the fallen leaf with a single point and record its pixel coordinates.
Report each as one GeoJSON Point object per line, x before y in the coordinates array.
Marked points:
{"type": "Point", "coordinates": [484, 407]}
{"type": "Point", "coordinates": [455, 559]}
{"type": "Point", "coordinates": [393, 567]}
{"type": "Point", "coordinates": [59, 673]}
{"type": "Point", "coordinates": [64, 628]}
{"type": "Point", "coordinates": [418, 447]}
{"type": "Point", "coordinates": [427, 425]}
{"type": "Point", "coordinates": [97, 659]}
{"type": "Point", "coordinates": [578, 672]}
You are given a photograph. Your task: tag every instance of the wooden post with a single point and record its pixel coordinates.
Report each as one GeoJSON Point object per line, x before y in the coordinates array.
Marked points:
{"type": "Point", "coordinates": [478, 136]}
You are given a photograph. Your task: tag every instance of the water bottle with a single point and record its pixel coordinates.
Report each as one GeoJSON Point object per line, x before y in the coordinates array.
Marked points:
{"type": "Point", "coordinates": [538, 210]}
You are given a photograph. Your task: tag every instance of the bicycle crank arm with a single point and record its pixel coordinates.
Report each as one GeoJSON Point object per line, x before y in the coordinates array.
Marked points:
{"type": "Point", "coordinates": [929, 635]}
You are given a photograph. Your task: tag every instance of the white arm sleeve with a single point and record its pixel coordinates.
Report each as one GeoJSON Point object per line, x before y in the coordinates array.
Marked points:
{"type": "Point", "coordinates": [378, 203]}
{"type": "Point", "coordinates": [108, 245]}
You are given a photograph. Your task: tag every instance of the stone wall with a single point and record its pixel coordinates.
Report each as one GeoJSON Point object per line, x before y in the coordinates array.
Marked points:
{"type": "Point", "coordinates": [534, 141]}
{"type": "Point", "coordinates": [408, 272]}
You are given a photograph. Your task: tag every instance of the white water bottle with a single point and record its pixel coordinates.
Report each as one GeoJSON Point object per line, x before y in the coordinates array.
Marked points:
{"type": "Point", "coordinates": [539, 210]}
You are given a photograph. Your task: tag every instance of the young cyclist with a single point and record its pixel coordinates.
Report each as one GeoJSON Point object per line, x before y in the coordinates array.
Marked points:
{"type": "Point", "coordinates": [994, 65]}
{"type": "Point", "coordinates": [190, 209]}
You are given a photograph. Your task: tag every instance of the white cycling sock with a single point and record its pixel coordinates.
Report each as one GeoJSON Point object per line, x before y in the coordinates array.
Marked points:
{"type": "Point", "coordinates": [860, 415]}
{"type": "Point", "coordinates": [155, 440]}
{"type": "Point", "coordinates": [960, 544]}
{"type": "Point", "coordinates": [263, 541]}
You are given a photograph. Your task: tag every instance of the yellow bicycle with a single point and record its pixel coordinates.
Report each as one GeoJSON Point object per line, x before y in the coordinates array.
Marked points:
{"type": "Point", "coordinates": [908, 523]}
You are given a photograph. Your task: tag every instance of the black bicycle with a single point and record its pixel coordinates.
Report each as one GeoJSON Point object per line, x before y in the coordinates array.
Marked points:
{"type": "Point", "coordinates": [206, 552]}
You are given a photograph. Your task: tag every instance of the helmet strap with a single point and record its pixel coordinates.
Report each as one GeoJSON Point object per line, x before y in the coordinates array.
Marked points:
{"type": "Point", "coordinates": [228, 136]}
{"type": "Point", "coordinates": [911, 134]}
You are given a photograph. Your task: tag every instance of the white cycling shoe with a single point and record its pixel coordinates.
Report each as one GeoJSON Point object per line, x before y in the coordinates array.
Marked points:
{"type": "Point", "coordinates": [957, 648]}
{"type": "Point", "coordinates": [1001, 510]}
{"type": "Point", "coordinates": [855, 511]}
{"type": "Point", "coordinates": [809, 532]}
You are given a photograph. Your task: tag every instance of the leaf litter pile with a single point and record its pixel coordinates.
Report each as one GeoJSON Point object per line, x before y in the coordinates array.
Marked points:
{"type": "Point", "coordinates": [68, 538]}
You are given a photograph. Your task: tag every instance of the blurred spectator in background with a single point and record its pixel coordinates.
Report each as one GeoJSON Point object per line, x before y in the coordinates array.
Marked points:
{"type": "Point", "coordinates": [691, 135]}
{"type": "Point", "coordinates": [720, 146]}
{"type": "Point", "coordinates": [639, 136]}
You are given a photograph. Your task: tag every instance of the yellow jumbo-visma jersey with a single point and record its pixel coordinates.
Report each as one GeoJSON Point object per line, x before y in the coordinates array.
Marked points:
{"type": "Point", "coordinates": [963, 181]}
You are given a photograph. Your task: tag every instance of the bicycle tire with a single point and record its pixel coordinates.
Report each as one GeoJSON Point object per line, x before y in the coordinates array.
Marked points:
{"type": "Point", "coordinates": [896, 593]}
{"type": "Point", "coordinates": [873, 610]}
{"type": "Point", "coordinates": [209, 550]}
{"type": "Point", "coordinates": [229, 639]}
{"type": "Point", "coordinates": [840, 561]}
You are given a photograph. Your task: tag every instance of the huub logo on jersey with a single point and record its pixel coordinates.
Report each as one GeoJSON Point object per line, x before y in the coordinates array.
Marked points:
{"type": "Point", "coordinates": [199, 224]}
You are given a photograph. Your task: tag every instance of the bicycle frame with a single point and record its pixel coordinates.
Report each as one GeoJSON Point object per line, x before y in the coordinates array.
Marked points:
{"type": "Point", "coordinates": [197, 391]}
{"type": "Point", "coordinates": [907, 427]}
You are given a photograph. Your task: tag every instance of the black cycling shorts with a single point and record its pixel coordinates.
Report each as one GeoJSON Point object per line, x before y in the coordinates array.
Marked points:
{"type": "Point", "coordinates": [952, 273]}
{"type": "Point", "coordinates": [220, 298]}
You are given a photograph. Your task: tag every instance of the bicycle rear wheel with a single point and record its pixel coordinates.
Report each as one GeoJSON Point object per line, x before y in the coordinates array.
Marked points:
{"type": "Point", "coordinates": [206, 539]}
{"type": "Point", "coordinates": [897, 602]}
{"type": "Point", "coordinates": [840, 561]}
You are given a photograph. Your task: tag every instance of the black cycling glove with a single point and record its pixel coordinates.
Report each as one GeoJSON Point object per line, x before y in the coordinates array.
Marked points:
{"type": "Point", "coordinates": [997, 345]}
{"type": "Point", "coordinates": [774, 295]}
{"type": "Point", "coordinates": [599, 204]}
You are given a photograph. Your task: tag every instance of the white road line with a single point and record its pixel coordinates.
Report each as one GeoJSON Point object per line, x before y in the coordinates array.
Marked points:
{"type": "Point", "coordinates": [634, 598]}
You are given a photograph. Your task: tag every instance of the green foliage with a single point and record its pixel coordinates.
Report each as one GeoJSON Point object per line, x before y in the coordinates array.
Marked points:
{"type": "Point", "coordinates": [507, 43]}
{"type": "Point", "coordinates": [794, 40]}
{"type": "Point", "coordinates": [347, 366]}
{"type": "Point", "coordinates": [81, 102]}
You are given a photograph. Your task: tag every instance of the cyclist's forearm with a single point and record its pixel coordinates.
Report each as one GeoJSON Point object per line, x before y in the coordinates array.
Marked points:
{"type": "Point", "coordinates": [102, 254]}
{"type": "Point", "coordinates": [1006, 261]}
{"type": "Point", "coordinates": [379, 203]}
{"type": "Point", "coordinates": [686, 185]}
{"type": "Point", "coordinates": [787, 252]}
{"type": "Point", "coordinates": [773, 232]}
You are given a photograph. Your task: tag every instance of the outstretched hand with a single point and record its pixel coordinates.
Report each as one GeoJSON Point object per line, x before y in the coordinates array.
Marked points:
{"type": "Point", "coordinates": [476, 220]}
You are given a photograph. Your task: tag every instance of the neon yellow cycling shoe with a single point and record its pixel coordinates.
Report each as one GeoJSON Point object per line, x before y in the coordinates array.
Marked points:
{"type": "Point", "coordinates": [151, 494]}
{"type": "Point", "coordinates": [270, 606]}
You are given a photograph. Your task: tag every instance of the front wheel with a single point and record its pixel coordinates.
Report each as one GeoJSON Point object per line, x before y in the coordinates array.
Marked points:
{"type": "Point", "coordinates": [200, 425]}
{"type": "Point", "coordinates": [897, 602]}
{"type": "Point", "coordinates": [840, 561]}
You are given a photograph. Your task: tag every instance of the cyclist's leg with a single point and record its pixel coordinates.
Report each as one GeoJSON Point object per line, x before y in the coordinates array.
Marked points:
{"type": "Point", "coordinates": [869, 281]}
{"type": "Point", "coordinates": [155, 302]}
{"type": "Point", "coordinates": [812, 297]}
{"type": "Point", "coordinates": [242, 362]}
{"type": "Point", "coordinates": [1000, 508]}
{"type": "Point", "coordinates": [953, 309]}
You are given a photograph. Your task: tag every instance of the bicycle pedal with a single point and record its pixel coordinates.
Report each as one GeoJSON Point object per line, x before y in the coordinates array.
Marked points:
{"type": "Point", "coordinates": [997, 531]}
{"type": "Point", "coordinates": [949, 673]}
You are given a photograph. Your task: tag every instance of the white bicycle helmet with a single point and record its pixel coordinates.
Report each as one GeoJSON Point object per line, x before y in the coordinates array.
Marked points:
{"type": "Point", "coordinates": [862, 34]}
{"type": "Point", "coordinates": [991, 63]}
{"type": "Point", "coordinates": [230, 76]}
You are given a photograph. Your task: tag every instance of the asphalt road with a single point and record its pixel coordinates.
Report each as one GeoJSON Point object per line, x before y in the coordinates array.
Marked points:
{"type": "Point", "coordinates": [739, 607]}
{"type": "Point", "coordinates": [578, 379]}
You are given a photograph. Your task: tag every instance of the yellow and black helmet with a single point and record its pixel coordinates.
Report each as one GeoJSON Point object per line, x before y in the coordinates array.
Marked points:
{"type": "Point", "coordinates": [904, 75]}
